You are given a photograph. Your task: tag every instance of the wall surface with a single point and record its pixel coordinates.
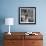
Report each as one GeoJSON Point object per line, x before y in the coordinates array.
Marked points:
{"type": "Point", "coordinates": [9, 8]}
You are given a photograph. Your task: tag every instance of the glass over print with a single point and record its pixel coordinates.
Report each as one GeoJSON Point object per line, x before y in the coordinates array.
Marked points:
{"type": "Point", "coordinates": [27, 15]}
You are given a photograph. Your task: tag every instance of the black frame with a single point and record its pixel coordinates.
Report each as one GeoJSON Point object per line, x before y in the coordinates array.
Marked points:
{"type": "Point", "coordinates": [33, 14]}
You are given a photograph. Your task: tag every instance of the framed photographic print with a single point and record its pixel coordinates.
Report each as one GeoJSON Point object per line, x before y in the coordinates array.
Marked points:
{"type": "Point", "coordinates": [27, 15]}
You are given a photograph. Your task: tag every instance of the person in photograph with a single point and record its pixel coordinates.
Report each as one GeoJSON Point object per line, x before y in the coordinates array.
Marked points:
{"type": "Point", "coordinates": [24, 17]}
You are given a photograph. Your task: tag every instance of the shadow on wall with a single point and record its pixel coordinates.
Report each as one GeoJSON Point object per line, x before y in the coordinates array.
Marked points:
{"type": "Point", "coordinates": [2, 21]}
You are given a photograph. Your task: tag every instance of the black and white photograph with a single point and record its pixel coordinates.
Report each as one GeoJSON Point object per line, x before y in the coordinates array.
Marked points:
{"type": "Point", "coordinates": [27, 15]}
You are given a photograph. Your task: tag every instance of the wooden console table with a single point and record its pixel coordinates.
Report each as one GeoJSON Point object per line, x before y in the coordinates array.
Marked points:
{"type": "Point", "coordinates": [20, 39]}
